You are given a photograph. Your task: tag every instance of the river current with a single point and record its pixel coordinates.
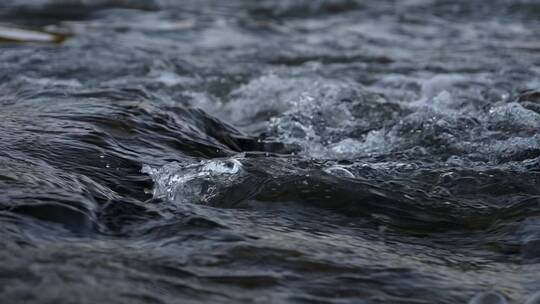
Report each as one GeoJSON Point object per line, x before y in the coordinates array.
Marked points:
{"type": "Point", "coordinates": [285, 151]}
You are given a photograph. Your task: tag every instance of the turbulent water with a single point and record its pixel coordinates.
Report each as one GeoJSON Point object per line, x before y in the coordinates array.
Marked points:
{"type": "Point", "coordinates": [286, 151]}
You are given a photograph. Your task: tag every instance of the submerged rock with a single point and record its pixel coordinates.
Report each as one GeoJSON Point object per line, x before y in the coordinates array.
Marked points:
{"type": "Point", "coordinates": [529, 95]}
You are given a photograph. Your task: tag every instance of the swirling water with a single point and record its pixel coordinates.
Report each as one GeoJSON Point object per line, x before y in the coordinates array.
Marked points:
{"type": "Point", "coordinates": [269, 151]}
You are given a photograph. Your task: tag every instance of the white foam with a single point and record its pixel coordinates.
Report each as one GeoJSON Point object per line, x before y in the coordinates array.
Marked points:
{"type": "Point", "coordinates": [513, 117]}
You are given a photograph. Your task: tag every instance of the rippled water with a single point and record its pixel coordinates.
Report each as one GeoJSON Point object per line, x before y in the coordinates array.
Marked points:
{"type": "Point", "coordinates": [278, 151]}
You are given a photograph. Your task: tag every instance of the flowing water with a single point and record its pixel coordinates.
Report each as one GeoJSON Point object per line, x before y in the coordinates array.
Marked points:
{"type": "Point", "coordinates": [286, 151]}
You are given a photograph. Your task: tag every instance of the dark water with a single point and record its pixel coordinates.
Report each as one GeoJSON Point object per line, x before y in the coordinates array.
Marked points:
{"type": "Point", "coordinates": [283, 151]}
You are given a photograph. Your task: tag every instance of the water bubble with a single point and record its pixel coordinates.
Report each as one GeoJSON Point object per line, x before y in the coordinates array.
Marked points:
{"type": "Point", "coordinates": [489, 297]}
{"type": "Point", "coordinates": [339, 171]}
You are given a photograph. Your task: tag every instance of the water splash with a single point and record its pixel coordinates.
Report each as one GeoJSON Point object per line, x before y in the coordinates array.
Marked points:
{"type": "Point", "coordinates": [194, 183]}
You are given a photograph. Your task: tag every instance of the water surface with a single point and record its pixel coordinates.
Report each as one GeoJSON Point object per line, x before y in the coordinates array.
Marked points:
{"type": "Point", "coordinates": [269, 151]}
